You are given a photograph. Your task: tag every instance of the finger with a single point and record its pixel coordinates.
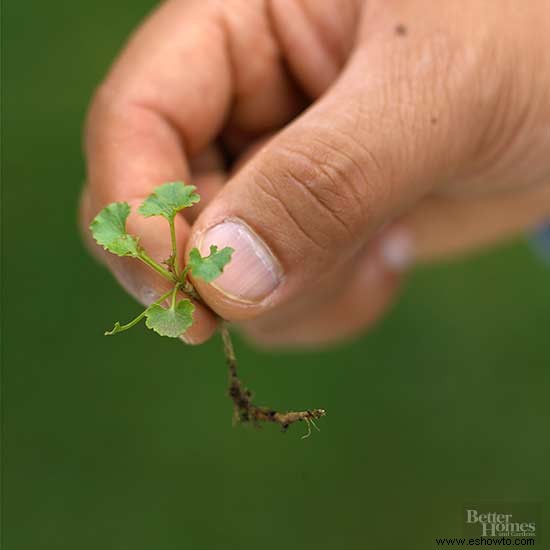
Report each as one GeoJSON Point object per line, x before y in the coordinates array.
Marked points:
{"type": "Point", "coordinates": [152, 102]}
{"type": "Point", "coordinates": [443, 227]}
{"type": "Point", "coordinates": [264, 96]}
{"type": "Point", "coordinates": [164, 100]}
{"type": "Point", "coordinates": [340, 314]}
{"type": "Point", "coordinates": [132, 141]}
{"type": "Point", "coordinates": [321, 187]}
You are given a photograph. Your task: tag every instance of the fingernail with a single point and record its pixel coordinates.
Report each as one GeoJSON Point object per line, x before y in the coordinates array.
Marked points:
{"type": "Point", "coordinates": [147, 296]}
{"type": "Point", "coordinates": [131, 285]}
{"type": "Point", "coordinates": [185, 339]}
{"type": "Point", "coordinates": [253, 273]}
{"type": "Point", "coordinates": [397, 249]}
{"type": "Point", "coordinates": [142, 293]}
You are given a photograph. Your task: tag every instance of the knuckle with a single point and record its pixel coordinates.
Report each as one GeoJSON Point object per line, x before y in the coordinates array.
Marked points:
{"type": "Point", "coordinates": [355, 175]}
{"type": "Point", "coordinates": [102, 110]}
{"type": "Point", "coordinates": [114, 117]}
{"type": "Point", "coordinates": [281, 194]}
{"type": "Point", "coordinates": [324, 187]}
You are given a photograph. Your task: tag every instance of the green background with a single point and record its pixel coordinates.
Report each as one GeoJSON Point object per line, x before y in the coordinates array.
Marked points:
{"type": "Point", "coordinates": [126, 443]}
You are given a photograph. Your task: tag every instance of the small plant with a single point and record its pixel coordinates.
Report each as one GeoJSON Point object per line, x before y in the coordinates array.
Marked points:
{"type": "Point", "coordinates": [109, 230]}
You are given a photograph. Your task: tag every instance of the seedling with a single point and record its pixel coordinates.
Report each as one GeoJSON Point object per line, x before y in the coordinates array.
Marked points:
{"type": "Point", "coordinates": [109, 230]}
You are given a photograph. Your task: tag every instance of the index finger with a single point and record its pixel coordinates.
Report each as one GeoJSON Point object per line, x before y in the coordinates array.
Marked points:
{"type": "Point", "coordinates": [165, 98]}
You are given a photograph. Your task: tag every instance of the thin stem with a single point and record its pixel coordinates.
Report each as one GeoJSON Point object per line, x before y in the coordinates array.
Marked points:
{"type": "Point", "coordinates": [186, 285]}
{"type": "Point", "coordinates": [227, 342]}
{"type": "Point", "coordinates": [174, 294]}
{"type": "Point", "coordinates": [184, 273]}
{"type": "Point", "coordinates": [121, 328]}
{"type": "Point", "coordinates": [175, 258]}
{"type": "Point", "coordinates": [144, 257]}
{"type": "Point", "coordinates": [243, 408]}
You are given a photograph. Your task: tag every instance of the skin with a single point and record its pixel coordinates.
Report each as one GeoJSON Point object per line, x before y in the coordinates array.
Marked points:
{"type": "Point", "coordinates": [354, 127]}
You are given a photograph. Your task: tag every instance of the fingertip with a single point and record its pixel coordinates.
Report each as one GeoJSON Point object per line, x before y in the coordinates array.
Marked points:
{"type": "Point", "coordinates": [203, 328]}
{"type": "Point", "coordinates": [395, 248]}
{"type": "Point", "coordinates": [250, 281]}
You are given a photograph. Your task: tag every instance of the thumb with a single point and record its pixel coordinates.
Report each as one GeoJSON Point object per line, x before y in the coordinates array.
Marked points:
{"type": "Point", "coordinates": [310, 199]}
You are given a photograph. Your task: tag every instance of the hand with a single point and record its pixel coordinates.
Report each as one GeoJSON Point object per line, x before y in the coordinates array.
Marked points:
{"type": "Point", "coordinates": [367, 136]}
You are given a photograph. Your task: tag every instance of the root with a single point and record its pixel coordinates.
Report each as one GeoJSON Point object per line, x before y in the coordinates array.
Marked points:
{"type": "Point", "coordinates": [246, 411]}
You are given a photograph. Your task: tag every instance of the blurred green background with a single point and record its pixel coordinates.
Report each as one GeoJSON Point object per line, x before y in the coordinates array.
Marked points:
{"type": "Point", "coordinates": [126, 443]}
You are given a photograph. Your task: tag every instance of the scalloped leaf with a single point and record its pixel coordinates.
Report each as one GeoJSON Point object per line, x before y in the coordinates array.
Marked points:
{"type": "Point", "coordinates": [170, 322]}
{"type": "Point", "coordinates": [168, 199]}
{"type": "Point", "coordinates": [109, 230]}
{"type": "Point", "coordinates": [210, 267]}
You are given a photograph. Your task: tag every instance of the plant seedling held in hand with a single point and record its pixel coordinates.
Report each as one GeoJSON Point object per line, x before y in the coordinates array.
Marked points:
{"type": "Point", "coordinates": [109, 231]}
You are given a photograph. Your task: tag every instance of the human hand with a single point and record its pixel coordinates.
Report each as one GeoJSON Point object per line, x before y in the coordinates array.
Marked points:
{"type": "Point", "coordinates": [368, 136]}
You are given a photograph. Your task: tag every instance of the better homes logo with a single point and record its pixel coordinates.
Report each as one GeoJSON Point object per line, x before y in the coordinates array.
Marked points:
{"type": "Point", "coordinates": [494, 519]}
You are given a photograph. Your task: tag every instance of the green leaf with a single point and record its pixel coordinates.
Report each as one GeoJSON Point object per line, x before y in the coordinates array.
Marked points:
{"type": "Point", "coordinates": [168, 199]}
{"type": "Point", "coordinates": [210, 267]}
{"type": "Point", "coordinates": [109, 230]}
{"type": "Point", "coordinates": [170, 322]}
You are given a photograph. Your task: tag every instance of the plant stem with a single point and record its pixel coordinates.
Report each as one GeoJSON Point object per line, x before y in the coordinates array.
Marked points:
{"type": "Point", "coordinates": [174, 294]}
{"type": "Point", "coordinates": [187, 287]}
{"type": "Point", "coordinates": [228, 349]}
{"type": "Point", "coordinates": [144, 257]}
{"type": "Point", "coordinates": [134, 322]}
{"type": "Point", "coordinates": [183, 274]}
{"type": "Point", "coordinates": [243, 408]}
{"type": "Point", "coordinates": [175, 259]}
